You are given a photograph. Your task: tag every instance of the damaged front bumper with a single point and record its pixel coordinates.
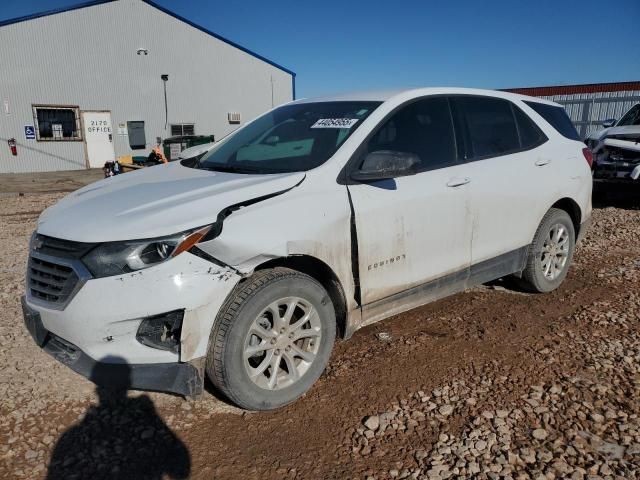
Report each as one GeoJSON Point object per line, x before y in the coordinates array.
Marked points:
{"type": "Point", "coordinates": [182, 378]}
{"type": "Point", "coordinates": [98, 330]}
{"type": "Point", "coordinates": [617, 158]}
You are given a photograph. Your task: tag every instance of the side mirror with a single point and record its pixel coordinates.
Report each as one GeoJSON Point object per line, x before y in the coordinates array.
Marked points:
{"type": "Point", "coordinates": [272, 140]}
{"type": "Point", "coordinates": [385, 164]}
{"type": "Point", "coordinates": [609, 123]}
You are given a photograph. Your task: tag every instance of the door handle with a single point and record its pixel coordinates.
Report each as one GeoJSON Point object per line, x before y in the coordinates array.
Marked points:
{"type": "Point", "coordinates": [457, 181]}
{"type": "Point", "coordinates": [541, 162]}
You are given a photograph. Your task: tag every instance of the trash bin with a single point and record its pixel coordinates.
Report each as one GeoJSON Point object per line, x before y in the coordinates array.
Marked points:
{"type": "Point", "coordinates": [174, 145]}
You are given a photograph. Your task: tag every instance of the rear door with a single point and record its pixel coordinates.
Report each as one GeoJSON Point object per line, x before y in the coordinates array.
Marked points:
{"type": "Point", "coordinates": [511, 178]}
{"type": "Point", "coordinates": [416, 228]}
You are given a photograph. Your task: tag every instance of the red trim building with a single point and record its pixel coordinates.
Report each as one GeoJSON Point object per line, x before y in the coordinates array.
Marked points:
{"type": "Point", "coordinates": [574, 89]}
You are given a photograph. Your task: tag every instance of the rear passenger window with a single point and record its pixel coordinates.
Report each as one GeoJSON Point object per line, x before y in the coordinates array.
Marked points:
{"type": "Point", "coordinates": [490, 126]}
{"type": "Point", "coordinates": [424, 128]}
{"type": "Point", "coordinates": [530, 134]}
{"type": "Point", "coordinates": [557, 117]}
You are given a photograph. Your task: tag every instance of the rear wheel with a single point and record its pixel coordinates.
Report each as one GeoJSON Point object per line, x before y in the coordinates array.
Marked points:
{"type": "Point", "coordinates": [551, 253]}
{"type": "Point", "coordinates": [272, 339]}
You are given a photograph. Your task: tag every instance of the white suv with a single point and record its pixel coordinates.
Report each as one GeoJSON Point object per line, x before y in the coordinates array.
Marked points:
{"type": "Point", "coordinates": [315, 219]}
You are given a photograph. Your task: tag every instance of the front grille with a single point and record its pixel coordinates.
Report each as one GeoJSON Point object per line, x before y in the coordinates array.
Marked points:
{"type": "Point", "coordinates": [50, 282]}
{"type": "Point", "coordinates": [54, 269]}
{"type": "Point", "coordinates": [56, 247]}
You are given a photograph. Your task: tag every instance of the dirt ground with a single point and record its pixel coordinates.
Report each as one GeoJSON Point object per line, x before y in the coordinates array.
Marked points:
{"type": "Point", "coordinates": [47, 182]}
{"type": "Point", "coordinates": [490, 383]}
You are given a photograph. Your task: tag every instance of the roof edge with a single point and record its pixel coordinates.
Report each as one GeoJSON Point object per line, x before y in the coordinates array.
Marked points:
{"type": "Point", "coordinates": [92, 3]}
{"type": "Point", "coordinates": [219, 37]}
{"type": "Point", "coordinates": [575, 89]}
{"type": "Point", "coordinates": [53, 11]}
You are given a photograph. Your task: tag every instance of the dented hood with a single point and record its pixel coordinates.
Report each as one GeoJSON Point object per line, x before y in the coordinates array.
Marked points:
{"type": "Point", "coordinates": [622, 130]}
{"type": "Point", "coordinates": [154, 202]}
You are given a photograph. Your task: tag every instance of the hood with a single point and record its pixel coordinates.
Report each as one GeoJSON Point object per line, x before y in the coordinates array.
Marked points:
{"type": "Point", "coordinates": [195, 151]}
{"type": "Point", "coordinates": [622, 130]}
{"type": "Point", "coordinates": [631, 130]}
{"type": "Point", "coordinates": [597, 134]}
{"type": "Point", "coordinates": [153, 202]}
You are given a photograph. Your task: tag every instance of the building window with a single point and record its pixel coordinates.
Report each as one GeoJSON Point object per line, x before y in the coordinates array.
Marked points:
{"type": "Point", "coordinates": [182, 129]}
{"type": "Point", "coordinates": [57, 123]}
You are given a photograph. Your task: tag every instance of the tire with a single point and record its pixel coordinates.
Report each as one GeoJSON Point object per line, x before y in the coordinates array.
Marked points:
{"type": "Point", "coordinates": [537, 277]}
{"type": "Point", "coordinates": [261, 305]}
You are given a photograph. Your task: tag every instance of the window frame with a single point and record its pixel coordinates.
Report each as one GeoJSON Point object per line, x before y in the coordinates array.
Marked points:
{"type": "Point", "coordinates": [460, 132]}
{"type": "Point", "coordinates": [78, 121]}
{"type": "Point", "coordinates": [462, 124]}
{"type": "Point", "coordinates": [344, 178]}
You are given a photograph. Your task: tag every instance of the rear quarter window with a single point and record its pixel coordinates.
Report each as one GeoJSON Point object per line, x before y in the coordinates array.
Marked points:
{"type": "Point", "coordinates": [557, 118]}
{"type": "Point", "coordinates": [530, 134]}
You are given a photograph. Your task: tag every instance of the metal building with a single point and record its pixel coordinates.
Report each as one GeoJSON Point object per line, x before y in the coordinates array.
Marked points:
{"type": "Point", "coordinates": [83, 85]}
{"type": "Point", "coordinates": [589, 105]}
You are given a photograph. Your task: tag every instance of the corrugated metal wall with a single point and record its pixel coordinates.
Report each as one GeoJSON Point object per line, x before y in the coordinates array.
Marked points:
{"type": "Point", "coordinates": [588, 110]}
{"type": "Point", "coordinates": [87, 57]}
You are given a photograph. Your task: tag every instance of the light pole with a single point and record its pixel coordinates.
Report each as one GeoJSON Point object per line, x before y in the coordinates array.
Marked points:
{"type": "Point", "coordinates": [165, 78]}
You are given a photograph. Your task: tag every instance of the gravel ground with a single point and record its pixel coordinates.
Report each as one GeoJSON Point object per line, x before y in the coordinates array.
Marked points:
{"type": "Point", "coordinates": [490, 383]}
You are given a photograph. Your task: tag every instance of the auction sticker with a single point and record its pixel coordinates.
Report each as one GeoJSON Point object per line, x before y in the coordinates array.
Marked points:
{"type": "Point", "coordinates": [335, 123]}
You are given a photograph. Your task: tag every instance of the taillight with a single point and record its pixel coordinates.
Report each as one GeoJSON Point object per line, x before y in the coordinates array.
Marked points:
{"type": "Point", "coordinates": [588, 156]}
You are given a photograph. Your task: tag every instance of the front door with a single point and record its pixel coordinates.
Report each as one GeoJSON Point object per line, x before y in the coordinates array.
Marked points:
{"type": "Point", "coordinates": [416, 228]}
{"type": "Point", "coordinates": [98, 137]}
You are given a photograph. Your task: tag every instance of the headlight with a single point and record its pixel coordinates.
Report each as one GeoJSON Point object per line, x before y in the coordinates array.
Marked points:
{"type": "Point", "coordinates": [116, 258]}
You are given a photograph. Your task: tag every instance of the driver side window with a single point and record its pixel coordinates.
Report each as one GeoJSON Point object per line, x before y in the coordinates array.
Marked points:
{"type": "Point", "coordinates": [424, 128]}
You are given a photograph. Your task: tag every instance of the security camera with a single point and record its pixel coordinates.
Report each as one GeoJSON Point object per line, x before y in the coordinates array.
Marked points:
{"type": "Point", "coordinates": [142, 51]}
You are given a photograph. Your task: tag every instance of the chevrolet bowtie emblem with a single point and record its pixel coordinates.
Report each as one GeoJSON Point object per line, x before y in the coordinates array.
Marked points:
{"type": "Point", "coordinates": [37, 243]}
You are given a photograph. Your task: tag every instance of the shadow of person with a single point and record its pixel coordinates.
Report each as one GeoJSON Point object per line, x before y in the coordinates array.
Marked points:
{"type": "Point", "coordinates": [120, 438]}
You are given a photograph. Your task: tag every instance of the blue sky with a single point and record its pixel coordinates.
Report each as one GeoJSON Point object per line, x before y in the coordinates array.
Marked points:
{"type": "Point", "coordinates": [345, 45]}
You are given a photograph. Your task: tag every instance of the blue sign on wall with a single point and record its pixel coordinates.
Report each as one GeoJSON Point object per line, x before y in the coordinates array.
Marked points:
{"type": "Point", "coordinates": [29, 132]}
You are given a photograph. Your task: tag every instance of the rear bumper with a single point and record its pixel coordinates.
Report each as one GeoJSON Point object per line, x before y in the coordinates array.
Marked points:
{"type": "Point", "coordinates": [175, 377]}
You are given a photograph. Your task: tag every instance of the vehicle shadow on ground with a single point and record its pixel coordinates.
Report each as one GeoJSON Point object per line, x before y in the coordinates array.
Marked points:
{"type": "Point", "coordinates": [119, 438]}
{"type": "Point", "coordinates": [622, 196]}
{"type": "Point", "coordinates": [507, 284]}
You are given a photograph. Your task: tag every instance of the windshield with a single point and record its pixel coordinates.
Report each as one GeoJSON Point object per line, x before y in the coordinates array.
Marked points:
{"type": "Point", "coordinates": [632, 117]}
{"type": "Point", "coordinates": [292, 138]}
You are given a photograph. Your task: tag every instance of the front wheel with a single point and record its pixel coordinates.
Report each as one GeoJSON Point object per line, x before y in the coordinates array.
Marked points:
{"type": "Point", "coordinates": [272, 339]}
{"type": "Point", "coordinates": [550, 253]}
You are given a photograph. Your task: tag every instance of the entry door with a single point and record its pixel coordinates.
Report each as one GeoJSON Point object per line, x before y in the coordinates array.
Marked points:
{"type": "Point", "coordinates": [416, 228]}
{"type": "Point", "coordinates": [98, 137]}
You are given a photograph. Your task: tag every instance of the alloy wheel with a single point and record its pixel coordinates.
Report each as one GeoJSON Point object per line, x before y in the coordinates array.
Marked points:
{"type": "Point", "coordinates": [282, 343]}
{"type": "Point", "coordinates": [555, 251]}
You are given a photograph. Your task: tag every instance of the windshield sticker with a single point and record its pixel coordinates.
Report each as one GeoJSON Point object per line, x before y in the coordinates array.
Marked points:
{"type": "Point", "coordinates": [335, 123]}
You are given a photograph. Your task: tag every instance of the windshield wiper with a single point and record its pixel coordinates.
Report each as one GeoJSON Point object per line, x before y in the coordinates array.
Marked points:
{"type": "Point", "coordinates": [227, 169]}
